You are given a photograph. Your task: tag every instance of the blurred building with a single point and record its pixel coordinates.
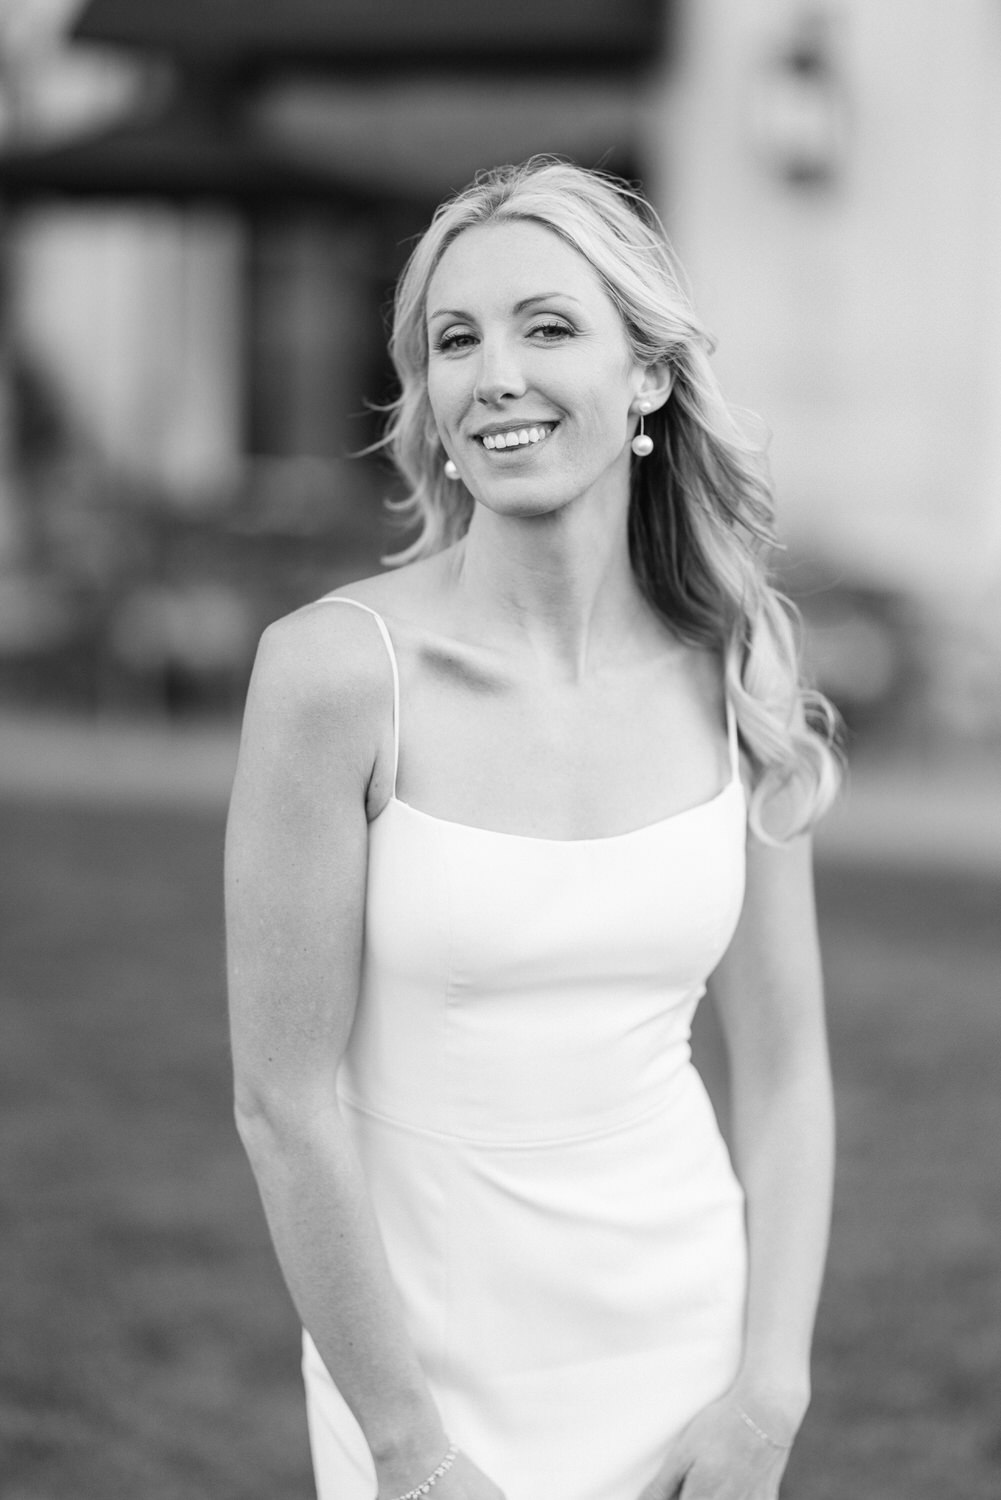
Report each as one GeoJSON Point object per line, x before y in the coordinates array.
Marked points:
{"type": "Point", "coordinates": [832, 173]}
{"type": "Point", "coordinates": [829, 172]}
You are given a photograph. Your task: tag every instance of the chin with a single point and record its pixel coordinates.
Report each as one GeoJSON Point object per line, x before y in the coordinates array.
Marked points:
{"type": "Point", "coordinates": [521, 507]}
{"type": "Point", "coordinates": [525, 501]}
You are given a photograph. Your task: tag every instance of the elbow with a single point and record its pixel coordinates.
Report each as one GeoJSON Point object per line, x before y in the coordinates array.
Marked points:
{"type": "Point", "coordinates": [791, 1076]}
{"type": "Point", "coordinates": [277, 1123]}
{"type": "Point", "coordinates": [258, 1125]}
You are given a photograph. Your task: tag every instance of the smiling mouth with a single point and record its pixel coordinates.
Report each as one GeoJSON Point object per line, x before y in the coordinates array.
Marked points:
{"type": "Point", "coordinates": [517, 437]}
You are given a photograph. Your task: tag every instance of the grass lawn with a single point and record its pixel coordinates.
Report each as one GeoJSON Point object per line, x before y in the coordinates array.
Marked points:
{"type": "Point", "coordinates": [149, 1350]}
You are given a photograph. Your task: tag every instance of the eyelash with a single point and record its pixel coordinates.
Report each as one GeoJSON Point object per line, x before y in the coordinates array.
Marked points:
{"type": "Point", "coordinates": [553, 327]}
{"type": "Point", "coordinates": [447, 342]}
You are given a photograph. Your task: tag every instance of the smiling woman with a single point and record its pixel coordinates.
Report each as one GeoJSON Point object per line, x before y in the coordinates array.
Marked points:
{"type": "Point", "coordinates": [506, 358]}
{"type": "Point", "coordinates": [499, 821]}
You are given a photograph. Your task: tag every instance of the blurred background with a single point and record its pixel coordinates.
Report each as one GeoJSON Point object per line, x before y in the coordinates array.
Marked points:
{"type": "Point", "coordinates": [203, 208]}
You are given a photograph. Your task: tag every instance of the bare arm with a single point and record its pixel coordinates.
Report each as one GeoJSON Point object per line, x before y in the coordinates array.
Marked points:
{"type": "Point", "coordinates": [769, 995]}
{"type": "Point", "coordinates": [296, 853]}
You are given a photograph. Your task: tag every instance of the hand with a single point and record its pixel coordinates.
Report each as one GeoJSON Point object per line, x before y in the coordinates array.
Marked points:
{"type": "Point", "coordinates": [463, 1481]}
{"type": "Point", "coordinates": [719, 1456]}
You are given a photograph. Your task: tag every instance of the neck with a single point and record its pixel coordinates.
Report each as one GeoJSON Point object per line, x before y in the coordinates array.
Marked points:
{"type": "Point", "coordinates": [560, 585]}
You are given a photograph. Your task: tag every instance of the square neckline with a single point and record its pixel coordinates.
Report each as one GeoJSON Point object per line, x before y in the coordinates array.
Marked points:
{"type": "Point", "coordinates": [733, 782]}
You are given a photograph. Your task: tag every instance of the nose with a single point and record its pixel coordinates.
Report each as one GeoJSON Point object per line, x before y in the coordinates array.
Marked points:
{"type": "Point", "coordinates": [499, 374]}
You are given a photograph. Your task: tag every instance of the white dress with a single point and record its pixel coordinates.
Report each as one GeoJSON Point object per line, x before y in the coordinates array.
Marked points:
{"type": "Point", "coordinates": [556, 1200]}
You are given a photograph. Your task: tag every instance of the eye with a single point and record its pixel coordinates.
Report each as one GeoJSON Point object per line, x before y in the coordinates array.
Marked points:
{"type": "Point", "coordinates": [551, 330]}
{"type": "Point", "coordinates": [453, 341]}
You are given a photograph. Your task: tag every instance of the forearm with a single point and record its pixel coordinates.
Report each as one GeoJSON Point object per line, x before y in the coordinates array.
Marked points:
{"type": "Point", "coordinates": [335, 1266]}
{"type": "Point", "coordinates": [784, 1152]}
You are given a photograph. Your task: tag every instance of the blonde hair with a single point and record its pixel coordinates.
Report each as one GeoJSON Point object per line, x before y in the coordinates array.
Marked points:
{"type": "Point", "coordinates": [701, 511]}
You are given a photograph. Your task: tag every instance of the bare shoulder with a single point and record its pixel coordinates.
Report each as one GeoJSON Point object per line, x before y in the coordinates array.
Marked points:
{"type": "Point", "coordinates": [313, 664]}
{"type": "Point", "coordinates": [319, 703]}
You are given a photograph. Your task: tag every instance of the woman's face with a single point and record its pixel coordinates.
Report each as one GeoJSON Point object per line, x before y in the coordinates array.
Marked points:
{"type": "Point", "coordinates": [530, 375]}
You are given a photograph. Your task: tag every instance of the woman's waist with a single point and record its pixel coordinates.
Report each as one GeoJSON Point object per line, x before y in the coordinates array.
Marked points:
{"type": "Point", "coordinates": [521, 1065]}
{"type": "Point", "coordinates": [478, 1110]}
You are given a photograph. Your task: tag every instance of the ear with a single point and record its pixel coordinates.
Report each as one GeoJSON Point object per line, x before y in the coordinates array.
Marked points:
{"type": "Point", "coordinates": [655, 387]}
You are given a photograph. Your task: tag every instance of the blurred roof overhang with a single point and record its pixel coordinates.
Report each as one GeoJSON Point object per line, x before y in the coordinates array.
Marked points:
{"type": "Point", "coordinates": [208, 138]}
{"type": "Point", "coordinates": [199, 145]}
{"type": "Point", "coordinates": [355, 36]}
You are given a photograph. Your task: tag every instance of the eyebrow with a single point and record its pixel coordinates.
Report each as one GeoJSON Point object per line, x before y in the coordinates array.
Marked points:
{"type": "Point", "coordinates": [526, 302]}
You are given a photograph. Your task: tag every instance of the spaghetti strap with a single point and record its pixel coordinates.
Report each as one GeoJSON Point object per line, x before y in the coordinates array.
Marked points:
{"type": "Point", "coordinates": [387, 641]}
{"type": "Point", "coordinates": [732, 739]}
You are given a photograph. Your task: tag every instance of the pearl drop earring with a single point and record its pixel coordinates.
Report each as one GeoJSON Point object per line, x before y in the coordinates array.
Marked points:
{"type": "Point", "coordinates": [642, 445]}
{"type": "Point", "coordinates": [451, 472]}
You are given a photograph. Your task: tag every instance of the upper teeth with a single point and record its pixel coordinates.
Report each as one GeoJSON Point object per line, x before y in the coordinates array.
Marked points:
{"type": "Point", "coordinates": [516, 439]}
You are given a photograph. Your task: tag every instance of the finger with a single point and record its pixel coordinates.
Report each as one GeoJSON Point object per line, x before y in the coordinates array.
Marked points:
{"type": "Point", "coordinates": [666, 1483]}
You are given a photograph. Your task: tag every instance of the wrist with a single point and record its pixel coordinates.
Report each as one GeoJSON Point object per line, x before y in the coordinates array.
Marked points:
{"type": "Point", "coordinates": [778, 1406]}
{"type": "Point", "coordinates": [406, 1458]}
{"type": "Point", "coordinates": [424, 1486]}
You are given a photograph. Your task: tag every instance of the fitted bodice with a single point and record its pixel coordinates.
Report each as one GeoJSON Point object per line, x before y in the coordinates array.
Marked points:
{"type": "Point", "coordinates": [519, 989]}
{"type": "Point", "coordinates": [524, 989]}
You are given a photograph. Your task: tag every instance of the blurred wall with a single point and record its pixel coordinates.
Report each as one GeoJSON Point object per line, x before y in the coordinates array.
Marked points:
{"type": "Point", "coordinates": [859, 302]}
{"type": "Point", "coordinates": [135, 314]}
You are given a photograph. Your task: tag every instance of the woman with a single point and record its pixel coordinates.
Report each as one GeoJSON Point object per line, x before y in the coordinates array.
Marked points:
{"type": "Point", "coordinates": [491, 833]}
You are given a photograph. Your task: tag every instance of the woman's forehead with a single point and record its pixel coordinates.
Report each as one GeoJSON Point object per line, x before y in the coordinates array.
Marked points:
{"type": "Point", "coordinates": [510, 262]}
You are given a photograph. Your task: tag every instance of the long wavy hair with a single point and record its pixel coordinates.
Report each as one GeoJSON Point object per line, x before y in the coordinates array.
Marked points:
{"type": "Point", "coordinates": [701, 512]}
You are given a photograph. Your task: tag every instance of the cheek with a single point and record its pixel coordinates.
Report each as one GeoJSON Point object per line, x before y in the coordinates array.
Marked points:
{"type": "Point", "coordinates": [433, 387]}
{"type": "Point", "coordinates": [607, 395]}
{"type": "Point", "coordinates": [605, 411]}
{"type": "Point", "coordinates": [444, 395]}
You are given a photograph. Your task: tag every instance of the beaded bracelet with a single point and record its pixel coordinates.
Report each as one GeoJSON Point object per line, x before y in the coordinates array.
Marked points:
{"type": "Point", "coordinates": [421, 1489]}
{"type": "Point", "coordinates": [760, 1431]}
